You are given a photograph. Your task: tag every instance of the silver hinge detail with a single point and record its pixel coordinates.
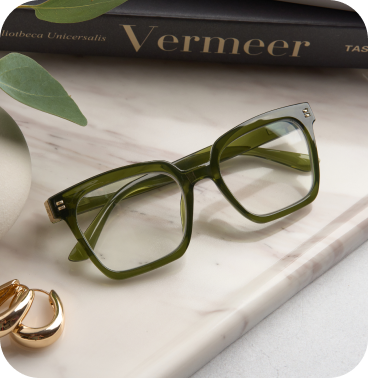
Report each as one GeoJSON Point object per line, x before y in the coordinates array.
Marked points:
{"type": "Point", "coordinates": [306, 113]}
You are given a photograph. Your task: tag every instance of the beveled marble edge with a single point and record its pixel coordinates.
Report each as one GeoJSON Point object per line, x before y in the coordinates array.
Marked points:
{"type": "Point", "coordinates": [185, 360]}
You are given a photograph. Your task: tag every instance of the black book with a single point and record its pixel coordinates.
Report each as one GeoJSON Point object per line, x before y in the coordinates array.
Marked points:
{"type": "Point", "coordinates": [233, 31]}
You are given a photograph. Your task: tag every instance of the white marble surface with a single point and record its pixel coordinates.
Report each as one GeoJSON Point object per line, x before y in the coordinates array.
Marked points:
{"type": "Point", "coordinates": [170, 322]}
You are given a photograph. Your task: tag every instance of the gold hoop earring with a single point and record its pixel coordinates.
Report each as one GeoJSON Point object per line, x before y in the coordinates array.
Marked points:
{"type": "Point", "coordinates": [42, 336]}
{"type": "Point", "coordinates": [19, 307]}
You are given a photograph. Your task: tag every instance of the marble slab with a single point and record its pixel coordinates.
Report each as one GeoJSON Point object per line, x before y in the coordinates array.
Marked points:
{"type": "Point", "coordinates": [170, 322]}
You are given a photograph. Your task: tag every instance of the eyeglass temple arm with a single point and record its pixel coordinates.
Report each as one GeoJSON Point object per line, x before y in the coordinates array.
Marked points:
{"type": "Point", "coordinates": [250, 145]}
{"type": "Point", "coordinates": [295, 160]}
{"type": "Point", "coordinates": [291, 159]}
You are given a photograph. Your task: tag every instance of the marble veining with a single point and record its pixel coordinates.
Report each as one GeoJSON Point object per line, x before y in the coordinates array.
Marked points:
{"type": "Point", "coordinates": [170, 322]}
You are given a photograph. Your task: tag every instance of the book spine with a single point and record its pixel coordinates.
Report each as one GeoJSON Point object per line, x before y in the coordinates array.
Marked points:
{"type": "Point", "coordinates": [190, 39]}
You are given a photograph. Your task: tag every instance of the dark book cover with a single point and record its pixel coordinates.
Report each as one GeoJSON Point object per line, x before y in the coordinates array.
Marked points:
{"type": "Point", "coordinates": [253, 32]}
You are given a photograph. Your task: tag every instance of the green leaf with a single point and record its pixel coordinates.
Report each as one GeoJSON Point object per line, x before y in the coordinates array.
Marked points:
{"type": "Point", "coordinates": [27, 82]}
{"type": "Point", "coordinates": [71, 11]}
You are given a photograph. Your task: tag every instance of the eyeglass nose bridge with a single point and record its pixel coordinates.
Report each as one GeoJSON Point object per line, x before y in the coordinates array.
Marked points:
{"type": "Point", "coordinates": [199, 173]}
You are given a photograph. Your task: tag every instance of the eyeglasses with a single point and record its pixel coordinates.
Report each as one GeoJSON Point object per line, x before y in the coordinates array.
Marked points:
{"type": "Point", "coordinates": [137, 218]}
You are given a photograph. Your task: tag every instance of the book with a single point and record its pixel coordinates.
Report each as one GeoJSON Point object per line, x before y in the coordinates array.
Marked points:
{"type": "Point", "coordinates": [232, 31]}
{"type": "Point", "coordinates": [322, 3]}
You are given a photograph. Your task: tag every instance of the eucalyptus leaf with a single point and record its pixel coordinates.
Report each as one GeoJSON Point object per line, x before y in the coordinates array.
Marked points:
{"type": "Point", "coordinates": [27, 82]}
{"type": "Point", "coordinates": [71, 11]}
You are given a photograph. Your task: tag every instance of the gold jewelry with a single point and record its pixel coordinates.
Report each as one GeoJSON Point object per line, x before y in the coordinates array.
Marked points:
{"type": "Point", "coordinates": [11, 319]}
{"type": "Point", "coordinates": [19, 307]}
{"type": "Point", "coordinates": [42, 336]}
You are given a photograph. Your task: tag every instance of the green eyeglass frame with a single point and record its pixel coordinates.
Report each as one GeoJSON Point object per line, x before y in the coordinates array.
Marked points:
{"type": "Point", "coordinates": [186, 172]}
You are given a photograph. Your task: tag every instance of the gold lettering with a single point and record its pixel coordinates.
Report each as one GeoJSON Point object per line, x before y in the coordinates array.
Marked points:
{"type": "Point", "coordinates": [221, 45]}
{"type": "Point", "coordinates": [11, 34]}
{"type": "Point", "coordinates": [49, 36]}
{"type": "Point", "coordinates": [364, 49]}
{"type": "Point", "coordinates": [161, 42]}
{"type": "Point", "coordinates": [133, 39]}
{"type": "Point", "coordinates": [356, 48]}
{"type": "Point", "coordinates": [348, 47]}
{"type": "Point", "coordinates": [39, 35]}
{"type": "Point", "coordinates": [272, 46]}
{"type": "Point", "coordinates": [248, 45]}
{"type": "Point", "coordinates": [69, 37]}
{"type": "Point", "coordinates": [297, 46]}
{"type": "Point", "coordinates": [187, 40]}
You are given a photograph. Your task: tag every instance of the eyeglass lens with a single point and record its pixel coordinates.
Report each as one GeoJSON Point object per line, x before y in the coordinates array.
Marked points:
{"type": "Point", "coordinates": [136, 221]}
{"type": "Point", "coordinates": [269, 168]}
